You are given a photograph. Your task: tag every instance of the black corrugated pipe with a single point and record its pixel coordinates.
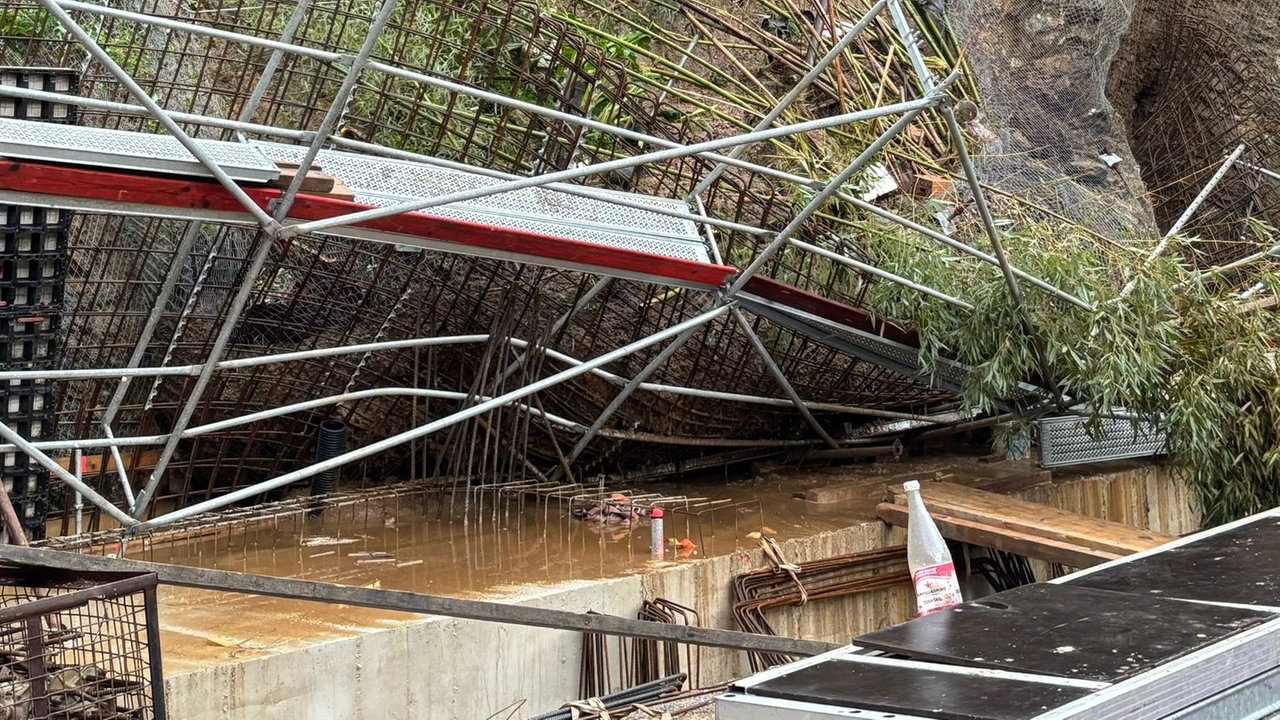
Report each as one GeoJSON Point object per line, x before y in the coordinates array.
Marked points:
{"type": "Point", "coordinates": [329, 443]}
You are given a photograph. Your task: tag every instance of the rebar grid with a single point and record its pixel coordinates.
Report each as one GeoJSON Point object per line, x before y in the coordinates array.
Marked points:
{"type": "Point", "coordinates": [318, 291]}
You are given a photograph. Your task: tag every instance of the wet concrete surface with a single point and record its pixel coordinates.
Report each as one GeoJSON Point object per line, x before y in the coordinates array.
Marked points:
{"type": "Point", "coordinates": [411, 543]}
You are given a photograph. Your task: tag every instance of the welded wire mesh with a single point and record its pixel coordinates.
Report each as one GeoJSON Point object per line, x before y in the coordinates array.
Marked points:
{"type": "Point", "coordinates": [1168, 88]}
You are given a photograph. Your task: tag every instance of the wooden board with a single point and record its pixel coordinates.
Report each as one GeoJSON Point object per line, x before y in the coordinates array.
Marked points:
{"type": "Point", "coordinates": [990, 536]}
{"type": "Point", "coordinates": [998, 477]}
{"type": "Point", "coordinates": [1033, 519]}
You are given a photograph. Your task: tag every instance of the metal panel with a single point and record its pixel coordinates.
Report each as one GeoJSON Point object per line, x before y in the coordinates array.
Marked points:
{"type": "Point", "coordinates": [1255, 699]}
{"type": "Point", "coordinates": [135, 151]}
{"type": "Point", "coordinates": [1067, 441]}
{"type": "Point", "coordinates": [1183, 682]}
{"type": "Point", "coordinates": [873, 349]}
{"type": "Point", "coordinates": [383, 182]}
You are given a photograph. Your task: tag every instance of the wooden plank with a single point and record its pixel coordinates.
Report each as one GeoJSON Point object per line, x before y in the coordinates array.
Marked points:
{"type": "Point", "coordinates": [404, 601]}
{"type": "Point", "coordinates": [975, 533]}
{"type": "Point", "coordinates": [1035, 519]}
{"type": "Point", "coordinates": [315, 182]}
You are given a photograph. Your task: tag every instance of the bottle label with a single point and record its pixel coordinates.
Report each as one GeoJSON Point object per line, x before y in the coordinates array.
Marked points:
{"type": "Point", "coordinates": [936, 588]}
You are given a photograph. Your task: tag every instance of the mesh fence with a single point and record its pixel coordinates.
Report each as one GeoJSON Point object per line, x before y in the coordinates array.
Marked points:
{"type": "Point", "coordinates": [79, 648]}
{"type": "Point", "coordinates": [1167, 88]}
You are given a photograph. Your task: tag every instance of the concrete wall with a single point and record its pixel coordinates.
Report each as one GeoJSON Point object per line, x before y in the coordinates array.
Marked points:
{"type": "Point", "coordinates": [443, 669]}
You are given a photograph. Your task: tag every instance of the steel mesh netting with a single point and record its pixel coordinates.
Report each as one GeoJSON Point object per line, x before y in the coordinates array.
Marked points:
{"type": "Point", "coordinates": [79, 647]}
{"type": "Point", "coordinates": [321, 291]}
{"type": "Point", "coordinates": [1168, 87]}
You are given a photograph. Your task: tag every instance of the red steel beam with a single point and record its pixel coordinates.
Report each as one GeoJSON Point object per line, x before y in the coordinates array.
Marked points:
{"type": "Point", "coordinates": [856, 318]}
{"type": "Point", "coordinates": [176, 192]}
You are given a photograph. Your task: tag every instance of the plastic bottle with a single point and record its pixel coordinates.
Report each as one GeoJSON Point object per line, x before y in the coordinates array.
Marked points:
{"type": "Point", "coordinates": [657, 541]}
{"type": "Point", "coordinates": [932, 572]}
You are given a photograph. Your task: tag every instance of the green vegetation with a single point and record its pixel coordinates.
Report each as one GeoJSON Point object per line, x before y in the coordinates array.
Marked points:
{"type": "Point", "coordinates": [1182, 348]}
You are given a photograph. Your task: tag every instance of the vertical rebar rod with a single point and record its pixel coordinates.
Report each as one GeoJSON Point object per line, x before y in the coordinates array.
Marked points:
{"type": "Point", "coordinates": [12, 525]}
{"type": "Point", "coordinates": [160, 114]}
{"type": "Point", "coordinates": [559, 324]}
{"type": "Point", "coordinates": [336, 109]}
{"type": "Point", "coordinates": [269, 71]}
{"type": "Point", "coordinates": [814, 73]}
{"type": "Point", "coordinates": [781, 377]}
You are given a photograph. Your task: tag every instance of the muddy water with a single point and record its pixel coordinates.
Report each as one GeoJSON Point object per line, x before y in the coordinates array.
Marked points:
{"type": "Point", "coordinates": [447, 546]}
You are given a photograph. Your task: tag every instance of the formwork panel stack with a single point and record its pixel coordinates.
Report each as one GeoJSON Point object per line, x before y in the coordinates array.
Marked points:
{"type": "Point", "coordinates": [33, 259]}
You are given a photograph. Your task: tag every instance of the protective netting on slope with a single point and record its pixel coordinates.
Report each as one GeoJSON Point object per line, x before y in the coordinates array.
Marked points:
{"type": "Point", "coordinates": [1169, 88]}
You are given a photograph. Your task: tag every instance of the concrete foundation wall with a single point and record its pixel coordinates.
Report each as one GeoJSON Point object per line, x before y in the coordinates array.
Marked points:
{"type": "Point", "coordinates": [443, 669]}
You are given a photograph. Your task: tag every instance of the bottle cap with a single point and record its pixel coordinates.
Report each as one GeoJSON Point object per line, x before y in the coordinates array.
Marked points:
{"type": "Point", "coordinates": [911, 485]}
{"type": "Point", "coordinates": [655, 512]}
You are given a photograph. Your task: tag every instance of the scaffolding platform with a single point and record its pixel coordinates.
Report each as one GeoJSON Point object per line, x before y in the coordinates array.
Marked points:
{"type": "Point", "coordinates": [1187, 630]}
{"type": "Point", "coordinates": [608, 233]}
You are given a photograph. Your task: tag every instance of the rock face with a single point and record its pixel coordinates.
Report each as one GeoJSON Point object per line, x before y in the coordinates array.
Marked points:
{"type": "Point", "coordinates": [1191, 81]}
{"type": "Point", "coordinates": [1168, 86]}
{"type": "Point", "coordinates": [1041, 68]}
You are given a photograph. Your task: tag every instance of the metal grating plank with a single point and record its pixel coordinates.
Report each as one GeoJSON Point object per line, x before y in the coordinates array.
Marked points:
{"type": "Point", "coordinates": [384, 182]}
{"type": "Point", "coordinates": [134, 151]}
{"type": "Point", "coordinates": [1066, 441]}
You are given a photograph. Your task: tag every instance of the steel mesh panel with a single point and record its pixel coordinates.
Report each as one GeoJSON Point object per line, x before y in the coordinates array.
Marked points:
{"type": "Point", "coordinates": [1069, 441]}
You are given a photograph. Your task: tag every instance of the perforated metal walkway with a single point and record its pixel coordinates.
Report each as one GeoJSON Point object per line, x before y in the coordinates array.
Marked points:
{"type": "Point", "coordinates": [100, 170]}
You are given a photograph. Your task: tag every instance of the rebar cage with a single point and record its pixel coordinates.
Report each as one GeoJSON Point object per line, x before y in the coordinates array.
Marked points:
{"type": "Point", "coordinates": [79, 646]}
{"type": "Point", "coordinates": [323, 291]}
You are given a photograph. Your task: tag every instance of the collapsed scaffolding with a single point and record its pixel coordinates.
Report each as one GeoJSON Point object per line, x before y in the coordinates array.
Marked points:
{"type": "Point", "coordinates": [269, 279]}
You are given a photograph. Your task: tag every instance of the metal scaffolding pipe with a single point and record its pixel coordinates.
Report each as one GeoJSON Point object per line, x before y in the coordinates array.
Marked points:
{"type": "Point", "coordinates": [140, 111]}
{"type": "Point", "coordinates": [159, 113]}
{"type": "Point", "coordinates": [62, 474]}
{"type": "Point", "coordinates": [458, 417]}
{"type": "Point", "coordinates": [611, 165]}
{"type": "Point", "coordinates": [285, 201]}
{"type": "Point", "coordinates": [778, 375]}
{"type": "Point", "coordinates": [1182, 221]}
{"type": "Point", "coordinates": [883, 274]}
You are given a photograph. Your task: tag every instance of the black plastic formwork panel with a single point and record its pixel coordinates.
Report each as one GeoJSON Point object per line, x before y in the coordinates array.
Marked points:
{"type": "Point", "coordinates": [1066, 631]}
{"type": "Point", "coordinates": [1240, 565]}
{"type": "Point", "coordinates": [33, 255]}
{"type": "Point", "coordinates": [921, 692]}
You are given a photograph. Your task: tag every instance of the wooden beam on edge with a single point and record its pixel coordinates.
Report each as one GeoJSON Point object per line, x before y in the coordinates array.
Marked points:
{"type": "Point", "coordinates": [412, 602]}
{"type": "Point", "coordinates": [997, 538]}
